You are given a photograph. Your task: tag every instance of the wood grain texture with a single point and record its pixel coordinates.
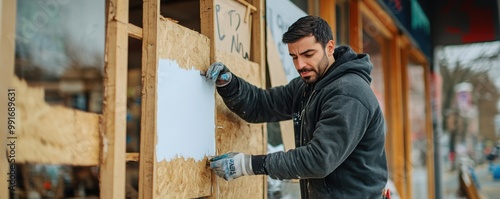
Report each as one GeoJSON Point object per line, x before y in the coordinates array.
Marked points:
{"type": "Point", "coordinates": [182, 178]}
{"type": "Point", "coordinates": [190, 49]}
{"type": "Point", "coordinates": [151, 17]}
{"type": "Point", "coordinates": [113, 132]}
{"type": "Point", "coordinates": [207, 24]}
{"type": "Point", "coordinates": [258, 55]}
{"type": "Point", "coordinates": [134, 31]}
{"type": "Point", "coordinates": [258, 47]}
{"type": "Point", "coordinates": [234, 134]}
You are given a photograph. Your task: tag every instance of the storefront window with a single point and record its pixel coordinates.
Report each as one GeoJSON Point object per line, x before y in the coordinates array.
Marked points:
{"type": "Point", "coordinates": [418, 129]}
{"type": "Point", "coordinates": [373, 45]}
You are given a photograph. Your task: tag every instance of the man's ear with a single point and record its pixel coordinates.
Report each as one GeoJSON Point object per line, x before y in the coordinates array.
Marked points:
{"type": "Point", "coordinates": [330, 47]}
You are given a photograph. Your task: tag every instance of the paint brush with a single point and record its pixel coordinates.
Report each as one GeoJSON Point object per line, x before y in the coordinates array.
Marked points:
{"type": "Point", "coordinates": [223, 77]}
{"type": "Point", "coordinates": [208, 160]}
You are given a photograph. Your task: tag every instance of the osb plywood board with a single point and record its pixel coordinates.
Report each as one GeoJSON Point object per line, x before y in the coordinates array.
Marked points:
{"type": "Point", "coordinates": [186, 178]}
{"type": "Point", "coordinates": [53, 134]}
{"type": "Point", "coordinates": [233, 28]}
{"type": "Point", "coordinates": [234, 134]}
{"type": "Point", "coordinates": [189, 48]}
{"type": "Point", "coordinates": [180, 177]}
{"type": "Point", "coordinates": [247, 70]}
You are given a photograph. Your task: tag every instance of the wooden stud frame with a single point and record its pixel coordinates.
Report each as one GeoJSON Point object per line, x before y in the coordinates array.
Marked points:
{"type": "Point", "coordinates": [7, 30]}
{"type": "Point", "coordinates": [113, 133]}
{"type": "Point", "coordinates": [151, 16]}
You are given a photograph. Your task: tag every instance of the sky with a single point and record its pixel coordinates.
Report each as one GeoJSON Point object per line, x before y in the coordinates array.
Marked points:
{"type": "Point", "coordinates": [466, 55]}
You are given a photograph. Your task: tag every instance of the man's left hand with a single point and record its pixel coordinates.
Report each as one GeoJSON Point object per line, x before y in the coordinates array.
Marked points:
{"type": "Point", "coordinates": [232, 165]}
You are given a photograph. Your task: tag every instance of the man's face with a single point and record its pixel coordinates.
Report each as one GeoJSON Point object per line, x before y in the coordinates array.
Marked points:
{"type": "Point", "coordinates": [310, 58]}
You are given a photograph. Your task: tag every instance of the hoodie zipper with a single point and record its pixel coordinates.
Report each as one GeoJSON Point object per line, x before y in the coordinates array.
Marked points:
{"type": "Point", "coordinates": [306, 188]}
{"type": "Point", "coordinates": [302, 118]}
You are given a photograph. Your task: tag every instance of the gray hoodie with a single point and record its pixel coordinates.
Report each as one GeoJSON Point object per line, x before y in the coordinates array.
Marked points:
{"type": "Point", "coordinates": [339, 129]}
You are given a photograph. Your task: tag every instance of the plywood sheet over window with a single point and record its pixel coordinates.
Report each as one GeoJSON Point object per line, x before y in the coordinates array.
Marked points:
{"type": "Point", "coordinates": [181, 177]}
{"type": "Point", "coordinates": [234, 134]}
{"type": "Point", "coordinates": [188, 177]}
{"type": "Point", "coordinates": [233, 28]}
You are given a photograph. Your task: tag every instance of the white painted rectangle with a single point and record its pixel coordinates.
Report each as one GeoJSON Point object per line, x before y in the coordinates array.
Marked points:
{"type": "Point", "coordinates": [186, 113]}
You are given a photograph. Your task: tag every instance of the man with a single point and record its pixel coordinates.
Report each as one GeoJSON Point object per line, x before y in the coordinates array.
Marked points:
{"type": "Point", "coordinates": [338, 123]}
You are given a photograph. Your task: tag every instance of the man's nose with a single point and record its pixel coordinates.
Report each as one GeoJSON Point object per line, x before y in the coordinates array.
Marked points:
{"type": "Point", "coordinates": [300, 63]}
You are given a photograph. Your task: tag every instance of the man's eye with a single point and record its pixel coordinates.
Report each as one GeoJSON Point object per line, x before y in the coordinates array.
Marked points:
{"type": "Point", "coordinates": [294, 57]}
{"type": "Point", "coordinates": [309, 55]}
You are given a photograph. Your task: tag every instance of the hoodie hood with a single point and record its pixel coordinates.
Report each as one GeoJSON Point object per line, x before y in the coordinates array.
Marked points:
{"type": "Point", "coordinates": [347, 61]}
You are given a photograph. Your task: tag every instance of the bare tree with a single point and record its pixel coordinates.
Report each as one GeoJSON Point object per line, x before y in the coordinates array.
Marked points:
{"type": "Point", "coordinates": [477, 72]}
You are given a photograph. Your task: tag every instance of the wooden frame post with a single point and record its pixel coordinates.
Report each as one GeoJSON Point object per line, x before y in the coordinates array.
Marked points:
{"type": "Point", "coordinates": [258, 52]}
{"type": "Point", "coordinates": [407, 185]}
{"type": "Point", "coordinates": [355, 24]}
{"type": "Point", "coordinates": [327, 11]}
{"type": "Point", "coordinates": [113, 132]}
{"type": "Point", "coordinates": [151, 16]}
{"type": "Point", "coordinates": [395, 136]}
{"type": "Point", "coordinates": [7, 41]}
{"type": "Point", "coordinates": [431, 173]}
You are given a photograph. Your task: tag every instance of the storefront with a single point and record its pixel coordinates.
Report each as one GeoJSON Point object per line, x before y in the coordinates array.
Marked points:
{"type": "Point", "coordinates": [400, 80]}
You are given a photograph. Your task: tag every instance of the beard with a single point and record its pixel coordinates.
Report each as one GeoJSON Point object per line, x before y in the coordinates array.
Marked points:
{"type": "Point", "coordinates": [317, 74]}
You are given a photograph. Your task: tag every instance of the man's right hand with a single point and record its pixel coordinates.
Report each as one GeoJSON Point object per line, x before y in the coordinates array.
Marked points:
{"type": "Point", "coordinates": [219, 74]}
{"type": "Point", "coordinates": [232, 165]}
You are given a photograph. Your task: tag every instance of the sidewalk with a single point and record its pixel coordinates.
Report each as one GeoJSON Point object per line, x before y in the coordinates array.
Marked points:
{"type": "Point", "coordinates": [489, 188]}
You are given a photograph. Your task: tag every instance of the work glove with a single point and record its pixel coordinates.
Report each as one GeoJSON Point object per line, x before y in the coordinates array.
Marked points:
{"type": "Point", "coordinates": [219, 74]}
{"type": "Point", "coordinates": [232, 165]}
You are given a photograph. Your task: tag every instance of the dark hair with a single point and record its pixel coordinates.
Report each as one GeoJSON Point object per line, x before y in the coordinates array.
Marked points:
{"type": "Point", "coordinates": [307, 26]}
